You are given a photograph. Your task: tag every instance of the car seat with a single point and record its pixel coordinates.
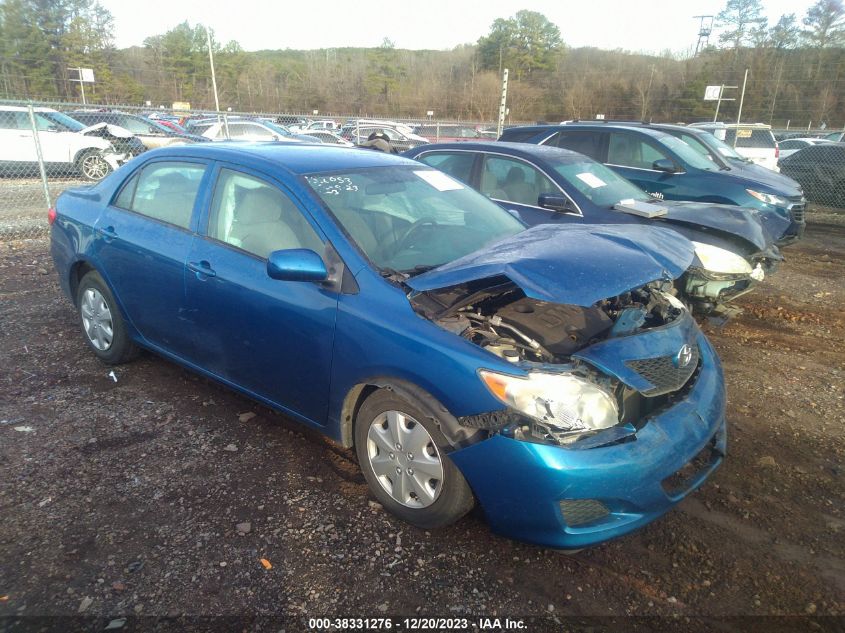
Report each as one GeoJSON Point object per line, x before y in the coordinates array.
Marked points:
{"type": "Point", "coordinates": [259, 227]}
{"type": "Point", "coordinates": [517, 189]}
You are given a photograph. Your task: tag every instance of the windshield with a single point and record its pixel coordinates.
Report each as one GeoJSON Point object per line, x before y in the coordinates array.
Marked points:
{"type": "Point", "coordinates": [600, 185]}
{"type": "Point", "coordinates": [411, 218]}
{"type": "Point", "coordinates": [723, 148]}
{"type": "Point", "coordinates": [688, 154]}
{"type": "Point", "coordinates": [278, 128]}
{"type": "Point", "coordinates": [62, 119]}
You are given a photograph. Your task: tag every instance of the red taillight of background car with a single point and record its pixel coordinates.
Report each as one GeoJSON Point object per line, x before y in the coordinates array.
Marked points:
{"type": "Point", "coordinates": [51, 215]}
{"type": "Point", "coordinates": [777, 152]}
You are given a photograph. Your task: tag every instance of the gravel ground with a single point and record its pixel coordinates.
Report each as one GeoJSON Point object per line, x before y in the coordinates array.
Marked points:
{"type": "Point", "coordinates": [157, 492]}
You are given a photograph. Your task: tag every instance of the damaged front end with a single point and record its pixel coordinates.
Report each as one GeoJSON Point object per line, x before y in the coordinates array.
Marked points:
{"type": "Point", "coordinates": [719, 276]}
{"type": "Point", "coordinates": [613, 412]}
{"type": "Point", "coordinates": [561, 398]}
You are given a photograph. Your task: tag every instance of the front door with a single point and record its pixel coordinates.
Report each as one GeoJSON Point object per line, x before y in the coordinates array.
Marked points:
{"type": "Point", "coordinates": [269, 337]}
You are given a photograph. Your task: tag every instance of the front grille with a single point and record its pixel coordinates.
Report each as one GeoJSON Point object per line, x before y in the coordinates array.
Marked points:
{"type": "Point", "coordinates": [797, 211]}
{"type": "Point", "coordinates": [581, 511]}
{"type": "Point", "coordinates": [663, 372]}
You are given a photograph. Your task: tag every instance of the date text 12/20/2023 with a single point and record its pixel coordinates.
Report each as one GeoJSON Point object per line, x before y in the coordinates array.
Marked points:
{"type": "Point", "coordinates": [416, 624]}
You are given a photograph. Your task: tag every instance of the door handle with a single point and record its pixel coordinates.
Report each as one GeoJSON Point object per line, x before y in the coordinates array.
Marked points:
{"type": "Point", "coordinates": [202, 269]}
{"type": "Point", "coordinates": [107, 233]}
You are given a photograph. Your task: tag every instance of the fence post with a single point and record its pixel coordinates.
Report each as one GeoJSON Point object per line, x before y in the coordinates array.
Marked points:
{"type": "Point", "coordinates": [39, 155]}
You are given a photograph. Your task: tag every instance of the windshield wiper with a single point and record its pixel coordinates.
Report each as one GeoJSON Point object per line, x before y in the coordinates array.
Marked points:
{"type": "Point", "coordinates": [420, 269]}
{"type": "Point", "coordinates": [392, 273]}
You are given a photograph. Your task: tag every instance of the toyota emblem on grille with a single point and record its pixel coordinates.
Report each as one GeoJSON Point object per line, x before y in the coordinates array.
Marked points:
{"type": "Point", "coordinates": [684, 357]}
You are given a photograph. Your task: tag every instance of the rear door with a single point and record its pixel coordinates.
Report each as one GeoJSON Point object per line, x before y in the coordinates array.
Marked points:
{"type": "Point", "coordinates": [272, 338]}
{"type": "Point", "coordinates": [142, 244]}
{"type": "Point", "coordinates": [16, 142]}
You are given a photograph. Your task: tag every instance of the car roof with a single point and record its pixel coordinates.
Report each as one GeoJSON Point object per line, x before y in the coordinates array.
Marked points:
{"type": "Point", "coordinates": [296, 158]}
{"type": "Point", "coordinates": [523, 150]}
{"type": "Point", "coordinates": [633, 127]}
{"type": "Point", "coordinates": [11, 108]}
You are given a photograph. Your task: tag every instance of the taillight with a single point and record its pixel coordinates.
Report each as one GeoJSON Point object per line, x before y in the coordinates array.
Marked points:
{"type": "Point", "coordinates": [51, 215]}
{"type": "Point", "coordinates": [777, 152]}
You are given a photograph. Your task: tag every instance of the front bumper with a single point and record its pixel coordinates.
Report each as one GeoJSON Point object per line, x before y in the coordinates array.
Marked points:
{"type": "Point", "coordinates": [521, 485]}
{"type": "Point", "coordinates": [113, 159]}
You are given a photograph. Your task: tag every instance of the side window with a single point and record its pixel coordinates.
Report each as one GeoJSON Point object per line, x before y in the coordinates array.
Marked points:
{"type": "Point", "coordinates": [587, 143]}
{"type": "Point", "coordinates": [457, 164]}
{"type": "Point", "coordinates": [164, 191]}
{"type": "Point", "coordinates": [257, 217]}
{"type": "Point", "coordinates": [513, 180]}
{"type": "Point", "coordinates": [8, 120]}
{"type": "Point", "coordinates": [629, 151]}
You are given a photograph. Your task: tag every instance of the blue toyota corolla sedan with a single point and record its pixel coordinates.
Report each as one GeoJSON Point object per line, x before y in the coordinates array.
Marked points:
{"type": "Point", "coordinates": [548, 374]}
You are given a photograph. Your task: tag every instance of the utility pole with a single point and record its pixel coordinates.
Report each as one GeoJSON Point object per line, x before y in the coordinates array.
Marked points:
{"type": "Point", "coordinates": [705, 27]}
{"type": "Point", "coordinates": [502, 103]}
{"type": "Point", "coordinates": [213, 76]}
{"type": "Point", "coordinates": [741, 100]}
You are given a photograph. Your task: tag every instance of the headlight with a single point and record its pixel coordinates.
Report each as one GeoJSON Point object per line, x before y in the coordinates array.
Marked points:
{"type": "Point", "coordinates": [562, 406]}
{"type": "Point", "coordinates": [719, 260]}
{"type": "Point", "coordinates": [768, 198]}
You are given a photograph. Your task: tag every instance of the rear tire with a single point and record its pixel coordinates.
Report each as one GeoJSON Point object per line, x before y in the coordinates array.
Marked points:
{"type": "Point", "coordinates": [102, 323]}
{"type": "Point", "coordinates": [416, 481]}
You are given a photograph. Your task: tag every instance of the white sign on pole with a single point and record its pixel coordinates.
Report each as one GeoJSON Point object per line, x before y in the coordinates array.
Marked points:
{"type": "Point", "coordinates": [599, 117]}
{"type": "Point", "coordinates": [712, 93]}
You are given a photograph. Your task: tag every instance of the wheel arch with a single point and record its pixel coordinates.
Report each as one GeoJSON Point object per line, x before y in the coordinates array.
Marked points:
{"type": "Point", "coordinates": [457, 435]}
{"type": "Point", "coordinates": [77, 271]}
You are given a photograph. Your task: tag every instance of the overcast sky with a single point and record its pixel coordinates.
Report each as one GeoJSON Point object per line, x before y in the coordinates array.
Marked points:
{"type": "Point", "coordinates": [635, 25]}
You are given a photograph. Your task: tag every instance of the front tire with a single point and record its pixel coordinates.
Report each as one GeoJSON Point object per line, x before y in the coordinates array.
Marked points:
{"type": "Point", "coordinates": [102, 324]}
{"type": "Point", "coordinates": [402, 453]}
{"type": "Point", "coordinates": [93, 166]}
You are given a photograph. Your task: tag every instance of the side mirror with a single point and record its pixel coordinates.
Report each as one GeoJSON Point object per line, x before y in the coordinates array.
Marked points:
{"type": "Point", "coordinates": [664, 164]}
{"type": "Point", "coordinates": [555, 202]}
{"type": "Point", "coordinates": [296, 264]}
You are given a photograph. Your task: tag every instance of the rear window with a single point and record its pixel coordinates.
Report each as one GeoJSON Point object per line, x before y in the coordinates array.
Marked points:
{"type": "Point", "coordinates": [518, 136]}
{"type": "Point", "coordinates": [749, 138]}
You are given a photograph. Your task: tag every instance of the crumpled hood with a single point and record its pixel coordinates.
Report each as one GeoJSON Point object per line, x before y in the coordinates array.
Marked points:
{"type": "Point", "coordinates": [114, 130]}
{"type": "Point", "coordinates": [733, 220]}
{"type": "Point", "coordinates": [571, 264]}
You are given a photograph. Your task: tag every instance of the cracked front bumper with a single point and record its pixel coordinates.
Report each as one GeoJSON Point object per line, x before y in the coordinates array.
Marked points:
{"type": "Point", "coordinates": [521, 485]}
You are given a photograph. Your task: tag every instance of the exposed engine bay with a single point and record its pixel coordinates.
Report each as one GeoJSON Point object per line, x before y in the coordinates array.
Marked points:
{"type": "Point", "coordinates": [503, 321]}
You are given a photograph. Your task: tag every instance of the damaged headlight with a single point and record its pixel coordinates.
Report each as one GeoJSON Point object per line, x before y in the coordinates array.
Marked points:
{"type": "Point", "coordinates": [721, 261]}
{"type": "Point", "coordinates": [562, 407]}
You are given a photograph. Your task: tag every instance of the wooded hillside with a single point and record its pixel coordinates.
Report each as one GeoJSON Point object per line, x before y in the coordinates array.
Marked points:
{"type": "Point", "coordinates": [796, 70]}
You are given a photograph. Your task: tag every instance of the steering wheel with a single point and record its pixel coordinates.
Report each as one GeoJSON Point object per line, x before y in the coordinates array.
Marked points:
{"type": "Point", "coordinates": [413, 228]}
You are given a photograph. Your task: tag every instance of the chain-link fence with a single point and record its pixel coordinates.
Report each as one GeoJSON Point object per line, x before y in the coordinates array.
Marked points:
{"type": "Point", "coordinates": [48, 147]}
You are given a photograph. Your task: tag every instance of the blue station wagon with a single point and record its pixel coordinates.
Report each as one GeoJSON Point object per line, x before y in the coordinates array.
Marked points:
{"type": "Point", "coordinates": [547, 374]}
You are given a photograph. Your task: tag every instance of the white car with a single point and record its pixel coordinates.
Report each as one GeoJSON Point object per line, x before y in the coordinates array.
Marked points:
{"type": "Point", "coordinates": [64, 152]}
{"type": "Point", "coordinates": [250, 130]}
{"type": "Point", "coordinates": [754, 141]}
{"type": "Point", "coordinates": [792, 145]}
{"type": "Point", "coordinates": [329, 138]}
{"type": "Point", "coordinates": [325, 124]}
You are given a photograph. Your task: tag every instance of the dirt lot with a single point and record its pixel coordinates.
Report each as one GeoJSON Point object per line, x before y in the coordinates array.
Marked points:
{"type": "Point", "coordinates": [122, 497]}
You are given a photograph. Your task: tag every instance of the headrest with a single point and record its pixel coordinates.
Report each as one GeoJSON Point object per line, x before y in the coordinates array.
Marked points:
{"type": "Point", "coordinates": [259, 205]}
